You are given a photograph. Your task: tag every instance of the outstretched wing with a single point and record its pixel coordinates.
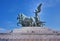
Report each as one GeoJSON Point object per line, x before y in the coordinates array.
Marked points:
{"type": "Point", "coordinates": [39, 7]}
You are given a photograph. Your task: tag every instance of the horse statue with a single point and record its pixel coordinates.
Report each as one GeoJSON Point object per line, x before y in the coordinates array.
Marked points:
{"type": "Point", "coordinates": [24, 20]}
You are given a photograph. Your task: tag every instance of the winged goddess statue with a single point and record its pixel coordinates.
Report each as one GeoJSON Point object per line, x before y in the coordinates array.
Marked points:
{"type": "Point", "coordinates": [36, 13]}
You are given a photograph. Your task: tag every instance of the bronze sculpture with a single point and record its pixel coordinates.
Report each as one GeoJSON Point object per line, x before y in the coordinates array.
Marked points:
{"type": "Point", "coordinates": [30, 21]}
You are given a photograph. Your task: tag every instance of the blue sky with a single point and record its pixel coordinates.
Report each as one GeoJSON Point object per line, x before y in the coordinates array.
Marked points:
{"type": "Point", "coordinates": [9, 9]}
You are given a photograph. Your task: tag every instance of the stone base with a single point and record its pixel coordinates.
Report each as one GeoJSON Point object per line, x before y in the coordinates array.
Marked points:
{"type": "Point", "coordinates": [29, 39]}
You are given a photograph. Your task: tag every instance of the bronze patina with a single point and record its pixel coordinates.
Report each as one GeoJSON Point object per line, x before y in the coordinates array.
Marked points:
{"type": "Point", "coordinates": [31, 21]}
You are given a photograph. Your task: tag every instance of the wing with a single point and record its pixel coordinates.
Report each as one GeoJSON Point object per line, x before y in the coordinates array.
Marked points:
{"type": "Point", "coordinates": [39, 7]}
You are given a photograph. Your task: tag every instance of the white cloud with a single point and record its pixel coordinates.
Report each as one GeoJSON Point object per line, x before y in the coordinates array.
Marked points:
{"type": "Point", "coordinates": [2, 28]}
{"type": "Point", "coordinates": [10, 24]}
{"type": "Point", "coordinates": [50, 3]}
